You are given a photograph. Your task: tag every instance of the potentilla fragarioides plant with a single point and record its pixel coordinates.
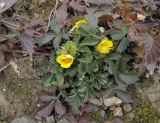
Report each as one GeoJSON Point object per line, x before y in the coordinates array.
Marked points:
{"type": "Point", "coordinates": [88, 62]}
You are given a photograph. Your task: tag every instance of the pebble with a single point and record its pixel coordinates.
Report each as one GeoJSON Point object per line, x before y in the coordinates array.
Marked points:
{"type": "Point", "coordinates": [4, 90]}
{"type": "Point", "coordinates": [38, 105]}
{"type": "Point", "coordinates": [112, 101]}
{"type": "Point", "coordinates": [127, 108]}
{"type": "Point", "coordinates": [2, 4]}
{"type": "Point", "coordinates": [118, 112]}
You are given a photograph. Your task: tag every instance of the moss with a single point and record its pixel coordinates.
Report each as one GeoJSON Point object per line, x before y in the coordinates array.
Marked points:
{"type": "Point", "coordinates": [144, 113]}
{"type": "Point", "coordinates": [96, 117]}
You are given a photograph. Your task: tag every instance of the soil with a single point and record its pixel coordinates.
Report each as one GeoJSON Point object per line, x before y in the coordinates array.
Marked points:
{"type": "Point", "coordinates": [19, 94]}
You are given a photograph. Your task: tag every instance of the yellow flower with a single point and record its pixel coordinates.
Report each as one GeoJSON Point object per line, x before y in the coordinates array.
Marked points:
{"type": "Point", "coordinates": [65, 60]}
{"type": "Point", "coordinates": [104, 46]}
{"type": "Point", "coordinates": [82, 21]}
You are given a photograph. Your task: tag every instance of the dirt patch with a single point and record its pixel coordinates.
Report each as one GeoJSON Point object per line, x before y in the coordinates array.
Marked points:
{"type": "Point", "coordinates": [19, 94]}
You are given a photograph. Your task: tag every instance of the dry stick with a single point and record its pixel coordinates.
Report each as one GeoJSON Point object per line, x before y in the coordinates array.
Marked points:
{"type": "Point", "coordinates": [53, 11]}
{"type": "Point", "coordinates": [7, 65]}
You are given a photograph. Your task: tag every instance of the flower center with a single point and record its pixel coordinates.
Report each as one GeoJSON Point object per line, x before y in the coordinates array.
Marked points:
{"type": "Point", "coordinates": [67, 60]}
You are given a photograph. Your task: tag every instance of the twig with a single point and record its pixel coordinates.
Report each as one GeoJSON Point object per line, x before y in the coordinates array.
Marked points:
{"type": "Point", "coordinates": [7, 65]}
{"type": "Point", "coordinates": [53, 11]}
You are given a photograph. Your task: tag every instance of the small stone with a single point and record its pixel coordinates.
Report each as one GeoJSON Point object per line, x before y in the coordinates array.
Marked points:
{"type": "Point", "coordinates": [96, 102]}
{"type": "Point", "coordinates": [112, 101]}
{"type": "Point", "coordinates": [2, 4]}
{"type": "Point", "coordinates": [131, 115]}
{"type": "Point", "coordinates": [38, 105]}
{"type": "Point", "coordinates": [24, 119]}
{"type": "Point", "coordinates": [118, 112]}
{"type": "Point", "coordinates": [101, 29]}
{"type": "Point", "coordinates": [4, 90]}
{"type": "Point", "coordinates": [111, 108]}
{"type": "Point", "coordinates": [127, 108]}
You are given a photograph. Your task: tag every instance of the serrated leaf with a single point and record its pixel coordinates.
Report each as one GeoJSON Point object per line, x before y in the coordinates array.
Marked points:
{"type": "Point", "coordinates": [117, 35]}
{"type": "Point", "coordinates": [115, 56]}
{"type": "Point", "coordinates": [128, 78]}
{"type": "Point", "coordinates": [124, 29]}
{"type": "Point", "coordinates": [55, 26]}
{"type": "Point", "coordinates": [46, 39]}
{"type": "Point", "coordinates": [75, 100]}
{"type": "Point", "coordinates": [89, 41]}
{"type": "Point", "coordinates": [92, 20]}
{"type": "Point", "coordinates": [47, 80]}
{"type": "Point", "coordinates": [124, 43]}
{"type": "Point", "coordinates": [57, 41]}
{"type": "Point", "coordinates": [112, 67]}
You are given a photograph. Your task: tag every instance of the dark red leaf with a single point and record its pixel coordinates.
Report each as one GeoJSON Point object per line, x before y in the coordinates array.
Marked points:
{"type": "Point", "coordinates": [84, 118]}
{"type": "Point", "coordinates": [98, 2]}
{"type": "Point", "coordinates": [77, 6]}
{"type": "Point", "coordinates": [59, 107]}
{"type": "Point", "coordinates": [27, 43]}
{"type": "Point", "coordinates": [46, 111]}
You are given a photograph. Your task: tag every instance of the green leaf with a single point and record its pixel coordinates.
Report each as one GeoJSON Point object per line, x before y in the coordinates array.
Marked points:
{"type": "Point", "coordinates": [85, 27]}
{"type": "Point", "coordinates": [124, 43]}
{"type": "Point", "coordinates": [115, 56]}
{"type": "Point", "coordinates": [124, 29]}
{"type": "Point", "coordinates": [92, 20]}
{"type": "Point", "coordinates": [82, 68]}
{"type": "Point", "coordinates": [55, 26]}
{"type": "Point", "coordinates": [89, 41]}
{"type": "Point", "coordinates": [47, 80]}
{"type": "Point", "coordinates": [46, 39]}
{"type": "Point", "coordinates": [121, 65]}
{"type": "Point", "coordinates": [75, 99]}
{"type": "Point", "coordinates": [57, 41]}
{"type": "Point", "coordinates": [128, 78]}
{"type": "Point", "coordinates": [112, 67]}
{"type": "Point", "coordinates": [117, 35]}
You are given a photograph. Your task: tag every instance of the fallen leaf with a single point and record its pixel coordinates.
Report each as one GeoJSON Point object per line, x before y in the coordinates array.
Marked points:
{"type": "Point", "coordinates": [117, 120]}
{"type": "Point", "coordinates": [124, 96]}
{"type": "Point", "coordinates": [47, 98]}
{"type": "Point", "coordinates": [98, 2]}
{"type": "Point", "coordinates": [46, 111]}
{"type": "Point", "coordinates": [140, 35]}
{"type": "Point", "coordinates": [24, 119]}
{"type": "Point", "coordinates": [27, 43]}
{"type": "Point", "coordinates": [77, 6]}
{"type": "Point", "coordinates": [59, 107]}
{"type": "Point", "coordinates": [61, 13]}
{"type": "Point", "coordinates": [3, 48]}
{"type": "Point", "coordinates": [63, 121]}
{"type": "Point", "coordinates": [87, 108]}
{"type": "Point", "coordinates": [6, 4]}
{"type": "Point", "coordinates": [84, 118]}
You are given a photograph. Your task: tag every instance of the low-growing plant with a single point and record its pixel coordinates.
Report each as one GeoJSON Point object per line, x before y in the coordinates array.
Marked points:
{"type": "Point", "coordinates": [89, 61]}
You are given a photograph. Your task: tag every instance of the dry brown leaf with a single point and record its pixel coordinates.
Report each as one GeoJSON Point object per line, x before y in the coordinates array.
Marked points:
{"type": "Point", "coordinates": [140, 35]}
{"type": "Point", "coordinates": [77, 6]}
